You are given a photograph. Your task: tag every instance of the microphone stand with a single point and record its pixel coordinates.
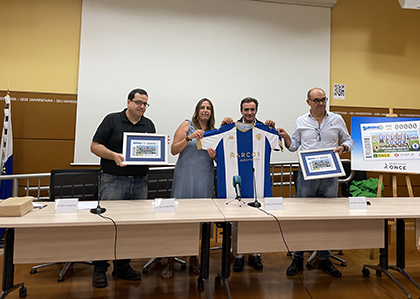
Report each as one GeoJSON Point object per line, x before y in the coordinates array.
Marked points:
{"type": "Point", "coordinates": [238, 198]}
{"type": "Point", "coordinates": [255, 203]}
{"type": "Point", "coordinates": [98, 210]}
{"type": "Point", "coordinates": [237, 185]}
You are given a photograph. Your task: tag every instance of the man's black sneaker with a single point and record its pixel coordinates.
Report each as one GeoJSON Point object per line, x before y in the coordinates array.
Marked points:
{"type": "Point", "coordinates": [295, 267]}
{"type": "Point", "coordinates": [329, 268]}
{"type": "Point", "coordinates": [255, 261]}
{"type": "Point", "coordinates": [238, 266]}
{"type": "Point", "coordinates": [99, 279]}
{"type": "Point", "coordinates": [127, 273]}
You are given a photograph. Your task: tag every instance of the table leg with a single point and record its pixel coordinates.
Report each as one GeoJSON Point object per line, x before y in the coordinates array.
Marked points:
{"type": "Point", "coordinates": [227, 226]}
{"type": "Point", "coordinates": [205, 257]}
{"type": "Point", "coordinates": [9, 267]}
{"type": "Point", "coordinates": [401, 252]}
{"type": "Point", "coordinates": [383, 263]}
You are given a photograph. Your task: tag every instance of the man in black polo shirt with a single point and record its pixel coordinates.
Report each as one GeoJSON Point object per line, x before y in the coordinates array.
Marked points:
{"type": "Point", "coordinates": [120, 181]}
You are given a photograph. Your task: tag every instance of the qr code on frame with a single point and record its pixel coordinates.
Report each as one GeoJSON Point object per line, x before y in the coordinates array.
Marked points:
{"type": "Point", "coordinates": [340, 91]}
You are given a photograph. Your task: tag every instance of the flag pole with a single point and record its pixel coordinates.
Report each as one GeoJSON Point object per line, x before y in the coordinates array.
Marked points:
{"type": "Point", "coordinates": [6, 150]}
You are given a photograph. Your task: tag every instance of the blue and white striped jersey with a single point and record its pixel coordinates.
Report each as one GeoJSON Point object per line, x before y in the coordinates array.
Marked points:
{"type": "Point", "coordinates": [239, 148]}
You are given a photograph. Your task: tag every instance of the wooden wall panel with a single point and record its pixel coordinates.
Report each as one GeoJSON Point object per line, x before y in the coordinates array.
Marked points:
{"type": "Point", "coordinates": [42, 115]}
{"type": "Point", "coordinates": [32, 155]}
{"type": "Point", "coordinates": [348, 112]}
{"type": "Point", "coordinates": [43, 130]}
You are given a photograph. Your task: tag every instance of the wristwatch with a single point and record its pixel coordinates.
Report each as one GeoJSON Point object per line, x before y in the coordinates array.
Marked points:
{"type": "Point", "coordinates": [344, 147]}
{"type": "Point", "coordinates": [187, 139]}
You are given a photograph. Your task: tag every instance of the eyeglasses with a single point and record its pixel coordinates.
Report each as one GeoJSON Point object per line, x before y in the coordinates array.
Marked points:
{"type": "Point", "coordinates": [139, 103]}
{"type": "Point", "coordinates": [317, 101]}
{"type": "Point", "coordinates": [318, 134]}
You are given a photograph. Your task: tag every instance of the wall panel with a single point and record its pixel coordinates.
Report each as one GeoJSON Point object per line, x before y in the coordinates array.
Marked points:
{"type": "Point", "coordinates": [43, 130]}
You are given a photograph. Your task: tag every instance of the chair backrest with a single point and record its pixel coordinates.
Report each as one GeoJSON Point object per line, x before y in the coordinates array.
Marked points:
{"type": "Point", "coordinates": [159, 182]}
{"type": "Point", "coordinates": [74, 183]}
{"type": "Point", "coordinates": [295, 176]}
{"type": "Point", "coordinates": [358, 176]}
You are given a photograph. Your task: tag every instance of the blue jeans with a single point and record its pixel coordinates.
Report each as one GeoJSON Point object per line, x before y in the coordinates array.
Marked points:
{"type": "Point", "coordinates": [114, 187]}
{"type": "Point", "coordinates": [316, 188]}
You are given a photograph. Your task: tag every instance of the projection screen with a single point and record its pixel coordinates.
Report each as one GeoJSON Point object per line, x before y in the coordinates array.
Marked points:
{"type": "Point", "coordinates": [183, 50]}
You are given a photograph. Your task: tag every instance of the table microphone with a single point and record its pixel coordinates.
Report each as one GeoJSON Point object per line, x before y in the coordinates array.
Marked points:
{"type": "Point", "coordinates": [98, 210]}
{"type": "Point", "coordinates": [237, 184]}
{"type": "Point", "coordinates": [255, 203]}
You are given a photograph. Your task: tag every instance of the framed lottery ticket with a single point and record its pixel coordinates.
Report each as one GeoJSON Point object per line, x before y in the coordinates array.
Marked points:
{"type": "Point", "coordinates": [145, 149]}
{"type": "Point", "coordinates": [386, 144]}
{"type": "Point", "coordinates": [320, 164]}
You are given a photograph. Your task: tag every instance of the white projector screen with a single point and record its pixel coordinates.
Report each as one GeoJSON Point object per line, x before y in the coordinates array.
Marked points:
{"type": "Point", "coordinates": [180, 51]}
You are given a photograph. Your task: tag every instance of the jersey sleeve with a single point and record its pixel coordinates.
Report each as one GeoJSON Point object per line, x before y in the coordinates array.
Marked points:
{"type": "Point", "coordinates": [213, 137]}
{"type": "Point", "coordinates": [272, 136]}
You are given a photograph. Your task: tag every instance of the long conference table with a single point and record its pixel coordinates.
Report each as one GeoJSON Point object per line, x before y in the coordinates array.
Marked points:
{"type": "Point", "coordinates": [43, 236]}
{"type": "Point", "coordinates": [311, 224]}
{"type": "Point", "coordinates": [307, 224]}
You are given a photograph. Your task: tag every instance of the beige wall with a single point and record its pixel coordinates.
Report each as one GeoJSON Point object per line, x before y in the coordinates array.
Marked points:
{"type": "Point", "coordinates": [39, 45]}
{"type": "Point", "coordinates": [375, 51]}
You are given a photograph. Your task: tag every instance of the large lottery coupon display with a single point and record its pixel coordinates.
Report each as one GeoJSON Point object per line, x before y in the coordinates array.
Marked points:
{"type": "Point", "coordinates": [385, 144]}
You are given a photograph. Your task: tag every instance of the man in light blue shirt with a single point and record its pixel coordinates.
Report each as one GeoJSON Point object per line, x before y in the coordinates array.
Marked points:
{"type": "Point", "coordinates": [317, 129]}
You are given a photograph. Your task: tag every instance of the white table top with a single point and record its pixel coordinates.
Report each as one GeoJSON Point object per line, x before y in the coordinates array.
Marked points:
{"type": "Point", "coordinates": [123, 212]}
{"type": "Point", "coordinates": [324, 208]}
{"type": "Point", "coordinates": [216, 210]}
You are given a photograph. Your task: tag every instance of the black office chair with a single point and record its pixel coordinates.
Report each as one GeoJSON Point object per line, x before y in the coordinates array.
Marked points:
{"type": "Point", "coordinates": [71, 183]}
{"type": "Point", "coordinates": [159, 185]}
{"type": "Point", "coordinates": [313, 255]}
{"type": "Point", "coordinates": [357, 176]}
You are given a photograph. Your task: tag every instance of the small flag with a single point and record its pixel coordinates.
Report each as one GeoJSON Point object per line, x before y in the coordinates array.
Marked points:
{"type": "Point", "coordinates": [6, 154]}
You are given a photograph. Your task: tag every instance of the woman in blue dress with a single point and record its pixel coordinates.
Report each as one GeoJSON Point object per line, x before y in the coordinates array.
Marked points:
{"type": "Point", "coordinates": [194, 170]}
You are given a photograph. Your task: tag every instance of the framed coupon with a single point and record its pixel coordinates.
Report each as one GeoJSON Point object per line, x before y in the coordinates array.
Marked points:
{"type": "Point", "coordinates": [145, 149]}
{"type": "Point", "coordinates": [320, 164]}
{"type": "Point", "coordinates": [386, 144]}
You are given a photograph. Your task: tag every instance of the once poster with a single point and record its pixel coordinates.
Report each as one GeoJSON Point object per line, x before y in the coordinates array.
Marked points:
{"type": "Point", "coordinates": [385, 144]}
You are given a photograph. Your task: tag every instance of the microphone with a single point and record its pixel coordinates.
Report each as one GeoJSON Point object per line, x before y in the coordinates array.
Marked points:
{"type": "Point", "coordinates": [98, 210]}
{"type": "Point", "coordinates": [237, 184]}
{"type": "Point", "coordinates": [255, 203]}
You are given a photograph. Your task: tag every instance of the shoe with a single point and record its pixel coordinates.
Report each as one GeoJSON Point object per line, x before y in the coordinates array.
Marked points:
{"type": "Point", "coordinates": [168, 272]}
{"type": "Point", "coordinates": [255, 261]}
{"type": "Point", "coordinates": [239, 265]}
{"type": "Point", "coordinates": [127, 273]}
{"type": "Point", "coordinates": [295, 267]}
{"type": "Point", "coordinates": [195, 265]}
{"type": "Point", "coordinates": [99, 279]}
{"type": "Point", "coordinates": [329, 268]}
